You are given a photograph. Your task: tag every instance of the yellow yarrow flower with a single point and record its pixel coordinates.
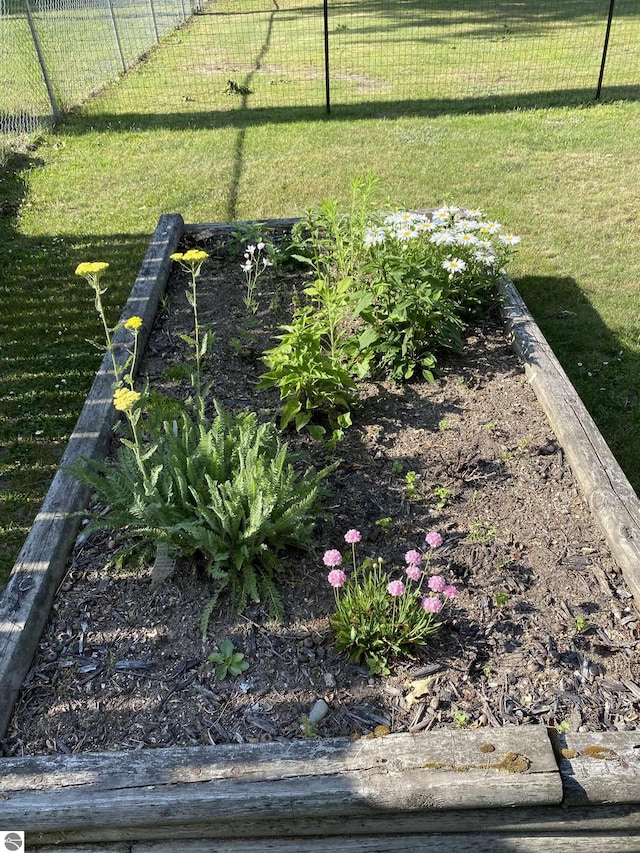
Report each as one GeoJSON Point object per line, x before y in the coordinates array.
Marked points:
{"type": "Point", "coordinates": [124, 399]}
{"type": "Point", "coordinates": [133, 323]}
{"type": "Point", "coordinates": [87, 269]}
{"type": "Point", "coordinates": [192, 258]}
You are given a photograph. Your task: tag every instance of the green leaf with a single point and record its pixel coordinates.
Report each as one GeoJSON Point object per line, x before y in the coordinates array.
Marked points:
{"type": "Point", "coordinates": [368, 338]}
{"type": "Point", "coordinates": [316, 432]}
{"type": "Point", "coordinates": [226, 649]}
{"type": "Point", "coordinates": [290, 410]}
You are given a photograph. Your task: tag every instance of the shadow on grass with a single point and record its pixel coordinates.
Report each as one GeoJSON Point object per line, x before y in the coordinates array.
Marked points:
{"type": "Point", "coordinates": [602, 367]}
{"type": "Point", "coordinates": [47, 364]}
{"type": "Point", "coordinates": [247, 116]}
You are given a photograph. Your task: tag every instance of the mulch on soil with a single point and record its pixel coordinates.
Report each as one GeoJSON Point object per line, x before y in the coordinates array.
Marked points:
{"type": "Point", "coordinates": [543, 630]}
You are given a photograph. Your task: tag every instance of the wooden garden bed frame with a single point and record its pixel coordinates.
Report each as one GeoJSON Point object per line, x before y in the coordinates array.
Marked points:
{"type": "Point", "coordinates": [510, 789]}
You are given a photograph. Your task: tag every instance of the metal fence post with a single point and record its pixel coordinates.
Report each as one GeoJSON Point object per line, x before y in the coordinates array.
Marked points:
{"type": "Point", "coordinates": [116, 35]}
{"type": "Point", "coordinates": [154, 22]}
{"type": "Point", "coordinates": [327, 84]}
{"type": "Point", "coordinates": [43, 65]}
{"type": "Point", "coordinates": [605, 48]}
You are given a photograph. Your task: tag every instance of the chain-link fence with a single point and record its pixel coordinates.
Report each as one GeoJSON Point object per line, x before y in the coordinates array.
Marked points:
{"type": "Point", "coordinates": [55, 54]}
{"type": "Point", "coordinates": [338, 54]}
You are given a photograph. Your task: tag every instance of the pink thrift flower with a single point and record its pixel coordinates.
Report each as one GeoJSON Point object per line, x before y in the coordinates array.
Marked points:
{"type": "Point", "coordinates": [432, 604]}
{"type": "Point", "coordinates": [436, 583]}
{"type": "Point", "coordinates": [336, 578]}
{"type": "Point", "coordinates": [413, 558]}
{"type": "Point", "coordinates": [352, 536]}
{"type": "Point", "coordinates": [332, 558]}
{"type": "Point", "coordinates": [395, 588]}
{"type": "Point", "coordinates": [450, 591]}
{"type": "Point", "coordinates": [414, 572]}
{"type": "Point", "coordinates": [433, 539]}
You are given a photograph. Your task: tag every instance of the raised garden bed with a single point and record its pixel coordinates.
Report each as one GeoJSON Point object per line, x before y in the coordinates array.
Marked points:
{"type": "Point", "coordinates": [369, 810]}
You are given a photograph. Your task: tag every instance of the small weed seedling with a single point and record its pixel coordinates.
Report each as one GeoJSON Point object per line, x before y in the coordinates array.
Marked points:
{"type": "Point", "coordinates": [308, 728]}
{"type": "Point", "coordinates": [581, 624]}
{"type": "Point", "coordinates": [500, 599]}
{"type": "Point", "coordinates": [481, 533]}
{"type": "Point", "coordinates": [410, 489]}
{"type": "Point", "coordinates": [227, 661]}
{"type": "Point", "coordinates": [460, 719]}
{"type": "Point", "coordinates": [441, 495]}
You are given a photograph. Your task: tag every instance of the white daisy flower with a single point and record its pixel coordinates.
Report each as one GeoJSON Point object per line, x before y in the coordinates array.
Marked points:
{"type": "Point", "coordinates": [490, 227]}
{"type": "Point", "coordinates": [441, 217]}
{"type": "Point", "coordinates": [466, 239]}
{"type": "Point", "coordinates": [406, 233]}
{"type": "Point", "coordinates": [485, 258]}
{"type": "Point", "coordinates": [374, 237]}
{"type": "Point", "coordinates": [508, 239]}
{"type": "Point", "coordinates": [467, 224]}
{"type": "Point", "coordinates": [454, 265]}
{"type": "Point", "coordinates": [443, 238]}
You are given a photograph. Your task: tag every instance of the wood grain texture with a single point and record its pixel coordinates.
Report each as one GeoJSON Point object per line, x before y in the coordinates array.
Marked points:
{"type": "Point", "coordinates": [606, 489]}
{"type": "Point", "coordinates": [26, 603]}
{"type": "Point", "coordinates": [256, 788]}
{"type": "Point", "coordinates": [601, 767]}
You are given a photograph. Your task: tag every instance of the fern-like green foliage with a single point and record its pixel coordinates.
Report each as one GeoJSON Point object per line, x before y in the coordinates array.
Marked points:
{"type": "Point", "coordinates": [226, 491]}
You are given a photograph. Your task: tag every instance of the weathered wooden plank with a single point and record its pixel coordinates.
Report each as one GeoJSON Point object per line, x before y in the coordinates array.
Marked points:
{"type": "Point", "coordinates": [448, 750]}
{"type": "Point", "coordinates": [515, 821]}
{"type": "Point", "coordinates": [251, 789]}
{"type": "Point", "coordinates": [607, 491]}
{"type": "Point", "coordinates": [454, 843]}
{"type": "Point", "coordinates": [26, 603]}
{"type": "Point", "coordinates": [600, 767]}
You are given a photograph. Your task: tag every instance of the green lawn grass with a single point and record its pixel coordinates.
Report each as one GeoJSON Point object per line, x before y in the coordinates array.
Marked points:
{"type": "Point", "coordinates": [565, 179]}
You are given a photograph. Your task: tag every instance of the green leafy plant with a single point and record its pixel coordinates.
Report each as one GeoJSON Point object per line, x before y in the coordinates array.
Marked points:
{"type": "Point", "coordinates": [227, 661]}
{"type": "Point", "coordinates": [581, 624]}
{"type": "Point", "coordinates": [309, 729]}
{"type": "Point", "coordinates": [226, 493]}
{"type": "Point", "coordinates": [312, 382]}
{"type": "Point", "coordinates": [441, 495]}
{"type": "Point", "coordinates": [332, 240]}
{"type": "Point", "coordinates": [410, 488]}
{"type": "Point", "coordinates": [376, 618]}
{"type": "Point", "coordinates": [500, 599]}
{"type": "Point", "coordinates": [460, 719]}
{"type": "Point", "coordinates": [481, 533]}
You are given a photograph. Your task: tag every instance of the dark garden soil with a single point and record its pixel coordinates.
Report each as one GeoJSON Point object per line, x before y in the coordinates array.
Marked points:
{"type": "Point", "coordinates": [543, 629]}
